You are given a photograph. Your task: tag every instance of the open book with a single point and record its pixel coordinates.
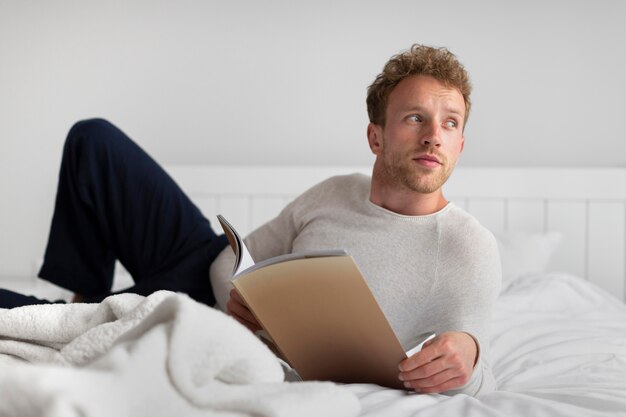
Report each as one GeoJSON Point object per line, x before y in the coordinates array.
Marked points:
{"type": "Point", "coordinates": [320, 314]}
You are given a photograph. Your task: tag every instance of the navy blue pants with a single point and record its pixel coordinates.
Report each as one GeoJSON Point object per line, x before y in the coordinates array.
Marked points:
{"type": "Point", "coordinates": [115, 202]}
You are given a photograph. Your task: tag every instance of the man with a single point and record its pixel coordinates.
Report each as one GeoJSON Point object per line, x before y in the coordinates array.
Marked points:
{"type": "Point", "coordinates": [431, 266]}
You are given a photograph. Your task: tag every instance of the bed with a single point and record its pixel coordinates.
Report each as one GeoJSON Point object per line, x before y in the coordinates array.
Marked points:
{"type": "Point", "coordinates": [559, 329]}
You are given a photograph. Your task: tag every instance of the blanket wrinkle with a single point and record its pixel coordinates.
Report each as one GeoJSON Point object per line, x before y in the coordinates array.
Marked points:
{"type": "Point", "coordinates": [160, 355]}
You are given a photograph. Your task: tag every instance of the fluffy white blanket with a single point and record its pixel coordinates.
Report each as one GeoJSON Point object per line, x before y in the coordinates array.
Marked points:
{"type": "Point", "coordinates": [162, 355]}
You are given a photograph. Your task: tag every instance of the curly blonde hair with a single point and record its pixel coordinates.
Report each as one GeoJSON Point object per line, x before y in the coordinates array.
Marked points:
{"type": "Point", "coordinates": [418, 60]}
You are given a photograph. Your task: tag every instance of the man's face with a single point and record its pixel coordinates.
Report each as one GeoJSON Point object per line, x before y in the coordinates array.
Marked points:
{"type": "Point", "coordinates": [422, 139]}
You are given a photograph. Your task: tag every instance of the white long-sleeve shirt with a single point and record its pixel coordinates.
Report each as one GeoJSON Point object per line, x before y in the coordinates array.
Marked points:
{"type": "Point", "coordinates": [430, 274]}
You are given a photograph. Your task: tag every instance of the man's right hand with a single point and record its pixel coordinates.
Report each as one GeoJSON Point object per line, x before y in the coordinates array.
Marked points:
{"type": "Point", "coordinates": [238, 308]}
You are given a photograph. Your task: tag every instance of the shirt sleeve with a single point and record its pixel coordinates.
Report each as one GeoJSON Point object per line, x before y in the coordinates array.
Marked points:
{"type": "Point", "coordinates": [470, 267]}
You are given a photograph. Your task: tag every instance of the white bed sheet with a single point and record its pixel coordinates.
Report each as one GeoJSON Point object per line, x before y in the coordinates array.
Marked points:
{"type": "Point", "coordinates": [558, 349]}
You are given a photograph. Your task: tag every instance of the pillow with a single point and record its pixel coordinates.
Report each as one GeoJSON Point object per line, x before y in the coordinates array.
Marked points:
{"type": "Point", "coordinates": [524, 253]}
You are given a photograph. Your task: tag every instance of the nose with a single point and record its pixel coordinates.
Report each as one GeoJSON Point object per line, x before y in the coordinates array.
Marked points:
{"type": "Point", "coordinates": [431, 135]}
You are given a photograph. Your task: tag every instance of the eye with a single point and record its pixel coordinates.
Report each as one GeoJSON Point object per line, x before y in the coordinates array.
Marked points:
{"type": "Point", "coordinates": [451, 124]}
{"type": "Point", "coordinates": [415, 118]}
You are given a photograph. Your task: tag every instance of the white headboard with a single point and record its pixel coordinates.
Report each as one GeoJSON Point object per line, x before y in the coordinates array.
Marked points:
{"type": "Point", "coordinates": [587, 206]}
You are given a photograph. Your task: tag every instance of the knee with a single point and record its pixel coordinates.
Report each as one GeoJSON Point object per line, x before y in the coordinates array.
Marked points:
{"type": "Point", "coordinates": [91, 133]}
{"type": "Point", "coordinates": [89, 127]}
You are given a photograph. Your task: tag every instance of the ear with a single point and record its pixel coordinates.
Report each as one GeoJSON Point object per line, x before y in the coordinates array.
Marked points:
{"type": "Point", "coordinates": [462, 144]}
{"type": "Point", "coordinates": [375, 138]}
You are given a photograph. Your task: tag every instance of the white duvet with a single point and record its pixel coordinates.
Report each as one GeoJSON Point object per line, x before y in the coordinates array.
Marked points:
{"type": "Point", "coordinates": [558, 348]}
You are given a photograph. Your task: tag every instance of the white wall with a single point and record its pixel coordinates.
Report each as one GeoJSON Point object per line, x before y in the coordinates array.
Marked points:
{"type": "Point", "coordinates": [283, 82]}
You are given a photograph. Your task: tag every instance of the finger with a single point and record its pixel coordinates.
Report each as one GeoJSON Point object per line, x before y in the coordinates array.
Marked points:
{"type": "Point", "coordinates": [234, 294]}
{"type": "Point", "coordinates": [453, 361]}
{"type": "Point", "coordinates": [432, 381]}
{"type": "Point", "coordinates": [446, 346]}
{"type": "Point", "coordinates": [424, 371]}
{"type": "Point", "coordinates": [237, 299]}
{"type": "Point", "coordinates": [437, 381]}
{"type": "Point", "coordinates": [446, 386]}
{"type": "Point", "coordinates": [242, 313]}
{"type": "Point", "coordinates": [426, 355]}
{"type": "Point", "coordinates": [252, 326]}
{"type": "Point", "coordinates": [237, 305]}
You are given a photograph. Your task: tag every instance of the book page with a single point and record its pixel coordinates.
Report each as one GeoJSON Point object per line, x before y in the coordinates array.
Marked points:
{"type": "Point", "coordinates": [419, 346]}
{"type": "Point", "coordinates": [243, 258]}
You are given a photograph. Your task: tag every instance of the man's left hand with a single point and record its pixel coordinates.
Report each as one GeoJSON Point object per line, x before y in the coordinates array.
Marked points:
{"type": "Point", "coordinates": [444, 363]}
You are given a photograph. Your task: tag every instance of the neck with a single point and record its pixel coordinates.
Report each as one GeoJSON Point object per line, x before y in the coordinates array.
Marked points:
{"type": "Point", "coordinates": [405, 201]}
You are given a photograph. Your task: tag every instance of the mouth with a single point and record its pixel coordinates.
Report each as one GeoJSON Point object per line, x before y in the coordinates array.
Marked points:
{"type": "Point", "coordinates": [426, 160]}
